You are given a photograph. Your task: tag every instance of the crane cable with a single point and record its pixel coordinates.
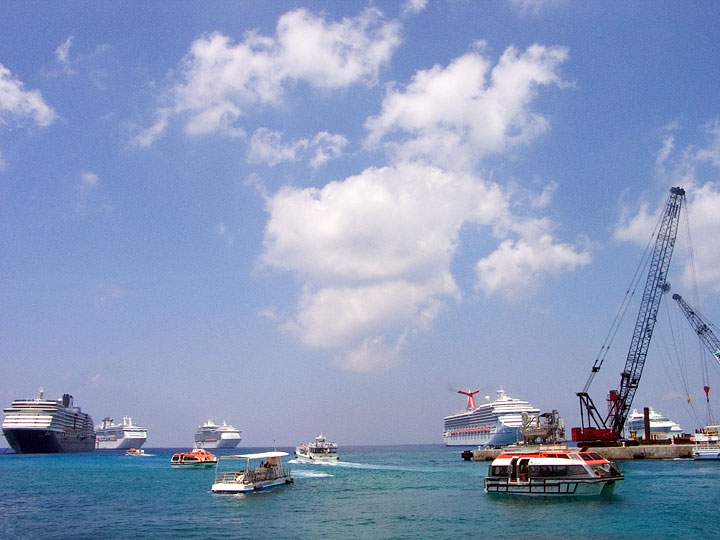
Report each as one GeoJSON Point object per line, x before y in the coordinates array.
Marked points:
{"type": "Point", "coordinates": [624, 305]}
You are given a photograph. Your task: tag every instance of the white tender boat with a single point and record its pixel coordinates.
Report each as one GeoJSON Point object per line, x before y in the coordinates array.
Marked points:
{"type": "Point", "coordinates": [551, 470]}
{"type": "Point", "coordinates": [318, 451]}
{"type": "Point", "coordinates": [268, 474]}
{"type": "Point", "coordinates": [707, 443]}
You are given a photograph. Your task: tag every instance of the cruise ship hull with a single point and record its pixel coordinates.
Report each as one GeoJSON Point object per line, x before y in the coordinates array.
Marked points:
{"type": "Point", "coordinates": [121, 444]}
{"type": "Point", "coordinates": [219, 443]}
{"type": "Point", "coordinates": [499, 435]}
{"type": "Point", "coordinates": [43, 441]}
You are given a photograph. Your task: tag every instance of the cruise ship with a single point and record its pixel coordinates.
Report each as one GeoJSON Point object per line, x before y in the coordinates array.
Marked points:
{"type": "Point", "coordinates": [109, 436]}
{"type": "Point", "coordinates": [661, 427]}
{"type": "Point", "coordinates": [494, 423]}
{"type": "Point", "coordinates": [210, 435]}
{"type": "Point", "coordinates": [34, 426]}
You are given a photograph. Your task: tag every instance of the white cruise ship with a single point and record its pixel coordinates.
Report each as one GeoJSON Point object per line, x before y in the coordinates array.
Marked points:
{"type": "Point", "coordinates": [494, 423]}
{"type": "Point", "coordinates": [109, 436]}
{"type": "Point", "coordinates": [661, 427]}
{"type": "Point", "coordinates": [210, 435]}
{"type": "Point", "coordinates": [35, 426]}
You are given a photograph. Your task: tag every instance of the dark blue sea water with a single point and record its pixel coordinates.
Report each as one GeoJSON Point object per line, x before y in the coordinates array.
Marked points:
{"type": "Point", "coordinates": [374, 492]}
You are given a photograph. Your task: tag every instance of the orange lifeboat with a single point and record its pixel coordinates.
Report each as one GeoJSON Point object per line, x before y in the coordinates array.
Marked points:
{"type": "Point", "coordinates": [198, 458]}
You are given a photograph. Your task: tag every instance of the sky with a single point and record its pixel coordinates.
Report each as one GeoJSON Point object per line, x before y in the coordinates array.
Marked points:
{"type": "Point", "coordinates": [305, 217]}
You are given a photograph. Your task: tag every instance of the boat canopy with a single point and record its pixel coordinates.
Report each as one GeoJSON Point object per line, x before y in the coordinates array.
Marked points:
{"type": "Point", "coordinates": [260, 455]}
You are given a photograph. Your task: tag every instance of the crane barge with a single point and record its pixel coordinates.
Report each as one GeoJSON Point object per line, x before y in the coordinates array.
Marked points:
{"type": "Point", "coordinates": [608, 429]}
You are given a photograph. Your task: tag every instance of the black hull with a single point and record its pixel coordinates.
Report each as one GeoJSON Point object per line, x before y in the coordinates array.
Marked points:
{"type": "Point", "coordinates": [41, 441]}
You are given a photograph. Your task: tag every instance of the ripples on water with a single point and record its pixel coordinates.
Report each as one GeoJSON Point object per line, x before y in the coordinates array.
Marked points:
{"type": "Point", "coordinates": [381, 492]}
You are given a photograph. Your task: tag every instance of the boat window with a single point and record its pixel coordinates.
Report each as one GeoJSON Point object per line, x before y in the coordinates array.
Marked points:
{"type": "Point", "coordinates": [587, 457]}
{"type": "Point", "coordinates": [596, 455]}
{"type": "Point", "coordinates": [499, 470]}
{"type": "Point", "coordinates": [552, 471]}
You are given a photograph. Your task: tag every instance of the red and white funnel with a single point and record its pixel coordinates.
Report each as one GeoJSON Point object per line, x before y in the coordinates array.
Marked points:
{"type": "Point", "coordinates": [471, 399]}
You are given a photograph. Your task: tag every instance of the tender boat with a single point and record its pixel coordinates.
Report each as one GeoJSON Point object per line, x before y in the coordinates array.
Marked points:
{"type": "Point", "coordinates": [135, 452]}
{"type": "Point", "coordinates": [551, 470]}
{"type": "Point", "coordinates": [707, 443]}
{"type": "Point", "coordinates": [197, 458]}
{"type": "Point", "coordinates": [229, 478]}
{"type": "Point", "coordinates": [318, 451]}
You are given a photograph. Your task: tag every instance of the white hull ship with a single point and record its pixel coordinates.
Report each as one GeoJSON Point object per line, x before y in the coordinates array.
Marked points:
{"type": "Point", "coordinates": [268, 474]}
{"type": "Point", "coordinates": [109, 436]}
{"type": "Point", "coordinates": [321, 450]}
{"type": "Point", "coordinates": [494, 423]}
{"type": "Point", "coordinates": [210, 435]}
{"type": "Point", "coordinates": [551, 470]}
{"type": "Point", "coordinates": [35, 426]}
{"type": "Point", "coordinates": [661, 427]}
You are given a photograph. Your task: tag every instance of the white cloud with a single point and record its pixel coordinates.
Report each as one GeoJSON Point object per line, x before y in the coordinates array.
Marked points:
{"type": "Point", "coordinates": [454, 116]}
{"type": "Point", "coordinates": [220, 81]}
{"type": "Point", "coordinates": [89, 179]}
{"type": "Point", "coordinates": [18, 104]}
{"type": "Point", "coordinates": [374, 253]}
{"type": "Point", "coordinates": [223, 232]}
{"type": "Point", "coordinates": [688, 167]}
{"type": "Point", "coordinates": [266, 146]}
{"type": "Point", "coordinates": [534, 7]}
{"type": "Point", "coordinates": [62, 53]}
{"type": "Point", "coordinates": [413, 7]}
{"type": "Point", "coordinates": [517, 267]}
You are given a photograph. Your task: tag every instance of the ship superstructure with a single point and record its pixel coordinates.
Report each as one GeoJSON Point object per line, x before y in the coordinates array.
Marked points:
{"type": "Point", "coordinates": [111, 436]}
{"type": "Point", "coordinates": [494, 423]}
{"type": "Point", "coordinates": [48, 426]}
{"type": "Point", "coordinates": [210, 435]}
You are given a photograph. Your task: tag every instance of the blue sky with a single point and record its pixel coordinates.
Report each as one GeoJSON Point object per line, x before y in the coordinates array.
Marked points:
{"type": "Point", "coordinates": [330, 216]}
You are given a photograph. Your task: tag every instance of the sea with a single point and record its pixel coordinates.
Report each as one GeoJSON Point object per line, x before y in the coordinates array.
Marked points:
{"type": "Point", "coordinates": [394, 492]}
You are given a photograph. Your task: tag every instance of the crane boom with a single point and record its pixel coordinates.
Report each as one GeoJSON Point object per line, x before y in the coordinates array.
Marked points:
{"type": "Point", "coordinates": [610, 428]}
{"type": "Point", "coordinates": [700, 326]}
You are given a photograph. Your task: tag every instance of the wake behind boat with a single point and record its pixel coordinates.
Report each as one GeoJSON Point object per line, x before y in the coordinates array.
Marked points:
{"type": "Point", "coordinates": [268, 474]}
{"type": "Point", "coordinates": [321, 450]}
{"type": "Point", "coordinates": [551, 470]}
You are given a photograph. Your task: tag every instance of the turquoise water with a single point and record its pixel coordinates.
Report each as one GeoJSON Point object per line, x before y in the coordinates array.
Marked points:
{"type": "Point", "coordinates": [374, 492]}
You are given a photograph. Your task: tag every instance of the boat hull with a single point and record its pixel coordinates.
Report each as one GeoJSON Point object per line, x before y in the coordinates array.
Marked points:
{"type": "Point", "coordinates": [231, 487]}
{"type": "Point", "coordinates": [218, 443]}
{"type": "Point", "coordinates": [706, 453]}
{"type": "Point", "coordinates": [121, 444]}
{"type": "Point", "coordinates": [498, 435]}
{"type": "Point", "coordinates": [578, 487]}
{"type": "Point", "coordinates": [44, 441]}
{"type": "Point", "coordinates": [202, 465]}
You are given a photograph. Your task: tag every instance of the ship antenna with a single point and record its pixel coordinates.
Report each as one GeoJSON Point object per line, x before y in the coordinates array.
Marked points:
{"type": "Point", "coordinates": [471, 399]}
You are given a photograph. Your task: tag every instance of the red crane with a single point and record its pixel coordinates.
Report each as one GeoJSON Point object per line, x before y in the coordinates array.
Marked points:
{"type": "Point", "coordinates": [595, 427]}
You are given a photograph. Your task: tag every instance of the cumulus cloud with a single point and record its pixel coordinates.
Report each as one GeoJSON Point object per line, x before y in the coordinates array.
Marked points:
{"type": "Point", "coordinates": [19, 105]}
{"type": "Point", "coordinates": [695, 168]}
{"type": "Point", "coordinates": [374, 253]}
{"type": "Point", "coordinates": [516, 267]}
{"type": "Point", "coordinates": [220, 81]}
{"type": "Point", "coordinates": [413, 7]}
{"type": "Point", "coordinates": [454, 116]}
{"type": "Point", "coordinates": [267, 146]}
